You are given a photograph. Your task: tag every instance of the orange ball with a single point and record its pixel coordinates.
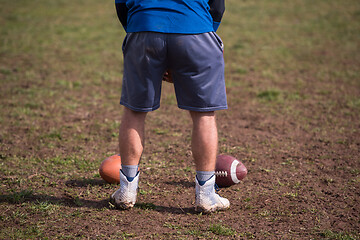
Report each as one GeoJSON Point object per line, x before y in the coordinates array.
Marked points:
{"type": "Point", "coordinates": [110, 169]}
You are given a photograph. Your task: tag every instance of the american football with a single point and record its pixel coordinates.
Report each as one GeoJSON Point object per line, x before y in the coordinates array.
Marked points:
{"type": "Point", "coordinates": [110, 169]}
{"type": "Point", "coordinates": [229, 171]}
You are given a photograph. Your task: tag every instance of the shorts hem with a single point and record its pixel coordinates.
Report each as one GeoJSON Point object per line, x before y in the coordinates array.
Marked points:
{"type": "Point", "coordinates": [136, 109]}
{"type": "Point", "coordinates": [203, 109]}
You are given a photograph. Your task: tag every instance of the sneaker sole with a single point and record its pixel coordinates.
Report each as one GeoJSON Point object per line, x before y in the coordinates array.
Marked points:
{"type": "Point", "coordinates": [121, 206]}
{"type": "Point", "coordinates": [200, 209]}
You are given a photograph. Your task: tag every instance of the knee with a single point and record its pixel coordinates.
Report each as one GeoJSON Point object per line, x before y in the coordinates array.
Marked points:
{"type": "Point", "coordinates": [131, 116]}
{"type": "Point", "coordinates": [198, 115]}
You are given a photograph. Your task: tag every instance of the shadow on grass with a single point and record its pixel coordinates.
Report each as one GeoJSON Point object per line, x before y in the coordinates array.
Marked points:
{"type": "Point", "coordinates": [85, 182]}
{"type": "Point", "coordinates": [184, 183]}
{"type": "Point", "coordinates": [162, 209]}
{"type": "Point", "coordinates": [27, 196]}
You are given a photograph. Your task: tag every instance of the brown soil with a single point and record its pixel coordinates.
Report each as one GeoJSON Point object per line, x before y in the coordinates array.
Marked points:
{"type": "Point", "coordinates": [302, 183]}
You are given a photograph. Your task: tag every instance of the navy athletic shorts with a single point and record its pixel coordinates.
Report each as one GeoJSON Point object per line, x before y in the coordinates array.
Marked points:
{"type": "Point", "coordinates": [196, 63]}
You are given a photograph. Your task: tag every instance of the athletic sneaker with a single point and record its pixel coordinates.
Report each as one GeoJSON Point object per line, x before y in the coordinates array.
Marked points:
{"type": "Point", "coordinates": [125, 196]}
{"type": "Point", "coordinates": [206, 199]}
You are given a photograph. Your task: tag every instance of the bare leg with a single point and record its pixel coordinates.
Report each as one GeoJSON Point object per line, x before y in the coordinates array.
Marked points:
{"type": "Point", "coordinates": [131, 144]}
{"type": "Point", "coordinates": [131, 136]}
{"type": "Point", "coordinates": [204, 147]}
{"type": "Point", "coordinates": [204, 142]}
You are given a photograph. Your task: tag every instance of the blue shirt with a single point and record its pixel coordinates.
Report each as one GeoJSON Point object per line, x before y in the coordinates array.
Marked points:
{"type": "Point", "coordinates": [169, 16]}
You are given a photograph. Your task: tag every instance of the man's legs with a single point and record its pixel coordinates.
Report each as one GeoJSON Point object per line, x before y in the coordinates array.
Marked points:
{"type": "Point", "coordinates": [204, 147]}
{"type": "Point", "coordinates": [131, 144]}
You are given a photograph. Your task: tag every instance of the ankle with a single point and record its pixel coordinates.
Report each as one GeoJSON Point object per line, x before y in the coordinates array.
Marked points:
{"type": "Point", "coordinates": [130, 171]}
{"type": "Point", "coordinates": [204, 176]}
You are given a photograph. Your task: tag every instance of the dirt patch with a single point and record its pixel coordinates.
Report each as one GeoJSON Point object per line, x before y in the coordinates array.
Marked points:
{"type": "Point", "coordinates": [292, 76]}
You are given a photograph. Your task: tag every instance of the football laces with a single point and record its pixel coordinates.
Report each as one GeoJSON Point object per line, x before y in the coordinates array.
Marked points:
{"type": "Point", "coordinates": [221, 173]}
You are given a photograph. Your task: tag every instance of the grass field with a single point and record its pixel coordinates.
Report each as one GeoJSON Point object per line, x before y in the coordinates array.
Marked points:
{"type": "Point", "coordinates": [293, 84]}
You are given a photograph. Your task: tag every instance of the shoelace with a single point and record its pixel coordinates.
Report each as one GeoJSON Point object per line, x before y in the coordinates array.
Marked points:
{"type": "Point", "coordinates": [217, 189]}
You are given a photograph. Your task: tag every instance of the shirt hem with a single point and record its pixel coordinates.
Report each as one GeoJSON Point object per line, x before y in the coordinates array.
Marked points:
{"type": "Point", "coordinates": [169, 31]}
